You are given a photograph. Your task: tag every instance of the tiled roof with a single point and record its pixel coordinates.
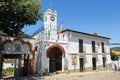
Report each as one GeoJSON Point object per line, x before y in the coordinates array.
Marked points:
{"type": "Point", "coordinates": [84, 33]}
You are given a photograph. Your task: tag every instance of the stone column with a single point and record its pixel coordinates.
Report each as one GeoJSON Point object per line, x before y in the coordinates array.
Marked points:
{"type": "Point", "coordinates": [63, 64]}
{"type": "Point", "coordinates": [1, 58]}
{"type": "Point", "coordinates": [25, 70]}
{"type": "Point", "coordinates": [1, 64]}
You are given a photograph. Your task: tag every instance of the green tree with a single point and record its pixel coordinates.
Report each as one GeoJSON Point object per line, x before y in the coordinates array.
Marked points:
{"type": "Point", "coordinates": [113, 56]}
{"type": "Point", "coordinates": [15, 14]}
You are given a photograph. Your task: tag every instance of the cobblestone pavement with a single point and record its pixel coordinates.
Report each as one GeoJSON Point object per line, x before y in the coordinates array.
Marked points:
{"type": "Point", "coordinates": [98, 75]}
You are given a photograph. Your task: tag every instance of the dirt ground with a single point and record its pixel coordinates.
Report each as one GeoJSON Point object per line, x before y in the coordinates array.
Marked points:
{"type": "Point", "coordinates": [95, 75]}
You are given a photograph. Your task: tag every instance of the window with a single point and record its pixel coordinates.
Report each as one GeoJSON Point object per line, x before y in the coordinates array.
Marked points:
{"type": "Point", "coordinates": [81, 60]}
{"type": "Point", "coordinates": [102, 47]}
{"type": "Point", "coordinates": [80, 45]}
{"type": "Point", "coordinates": [93, 46]}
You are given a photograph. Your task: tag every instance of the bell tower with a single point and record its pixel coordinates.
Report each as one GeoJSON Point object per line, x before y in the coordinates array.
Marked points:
{"type": "Point", "coordinates": [50, 21]}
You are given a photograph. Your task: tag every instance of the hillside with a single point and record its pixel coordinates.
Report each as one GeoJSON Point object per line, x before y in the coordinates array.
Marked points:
{"type": "Point", "coordinates": [116, 48]}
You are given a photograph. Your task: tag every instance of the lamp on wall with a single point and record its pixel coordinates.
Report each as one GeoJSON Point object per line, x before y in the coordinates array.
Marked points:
{"type": "Point", "coordinates": [84, 49]}
{"type": "Point", "coordinates": [105, 50]}
{"type": "Point", "coordinates": [96, 49]}
{"type": "Point", "coordinates": [98, 45]}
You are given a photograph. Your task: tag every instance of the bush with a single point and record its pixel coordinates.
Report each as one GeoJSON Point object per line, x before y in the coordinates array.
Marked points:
{"type": "Point", "coordinates": [8, 71]}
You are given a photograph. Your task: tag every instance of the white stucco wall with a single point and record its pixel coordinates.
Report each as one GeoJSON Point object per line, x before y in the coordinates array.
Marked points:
{"type": "Point", "coordinates": [88, 61]}
{"type": "Point", "coordinates": [87, 47]}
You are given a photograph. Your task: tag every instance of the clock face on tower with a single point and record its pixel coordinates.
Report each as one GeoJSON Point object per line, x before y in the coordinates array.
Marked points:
{"type": "Point", "coordinates": [52, 18]}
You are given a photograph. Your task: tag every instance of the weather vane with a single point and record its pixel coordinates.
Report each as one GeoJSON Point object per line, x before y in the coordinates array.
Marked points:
{"type": "Point", "coordinates": [50, 4]}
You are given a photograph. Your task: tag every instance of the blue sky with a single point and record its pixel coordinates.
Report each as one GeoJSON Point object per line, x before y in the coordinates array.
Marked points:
{"type": "Point", "coordinates": [101, 16]}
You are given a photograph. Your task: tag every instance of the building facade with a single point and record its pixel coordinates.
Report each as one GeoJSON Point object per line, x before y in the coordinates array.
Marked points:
{"type": "Point", "coordinates": [71, 50]}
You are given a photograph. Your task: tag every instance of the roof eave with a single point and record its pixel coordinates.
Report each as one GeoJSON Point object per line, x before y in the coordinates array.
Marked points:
{"type": "Point", "coordinates": [85, 33]}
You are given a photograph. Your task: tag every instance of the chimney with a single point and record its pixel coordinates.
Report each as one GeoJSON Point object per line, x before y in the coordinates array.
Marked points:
{"type": "Point", "coordinates": [95, 34]}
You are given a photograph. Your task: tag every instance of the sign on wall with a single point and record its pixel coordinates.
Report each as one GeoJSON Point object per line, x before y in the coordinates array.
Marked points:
{"type": "Point", "coordinates": [16, 46]}
{"type": "Point", "coordinates": [74, 59]}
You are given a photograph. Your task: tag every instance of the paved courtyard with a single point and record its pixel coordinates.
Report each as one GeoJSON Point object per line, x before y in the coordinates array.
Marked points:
{"type": "Point", "coordinates": [101, 75]}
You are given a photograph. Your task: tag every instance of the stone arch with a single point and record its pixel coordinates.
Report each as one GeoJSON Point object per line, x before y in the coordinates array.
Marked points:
{"type": "Point", "coordinates": [58, 46]}
{"type": "Point", "coordinates": [19, 39]}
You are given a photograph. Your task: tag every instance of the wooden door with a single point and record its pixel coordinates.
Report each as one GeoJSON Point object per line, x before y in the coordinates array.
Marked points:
{"type": "Point", "coordinates": [52, 65]}
{"type": "Point", "coordinates": [103, 61]}
{"type": "Point", "coordinates": [94, 63]}
{"type": "Point", "coordinates": [81, 64]}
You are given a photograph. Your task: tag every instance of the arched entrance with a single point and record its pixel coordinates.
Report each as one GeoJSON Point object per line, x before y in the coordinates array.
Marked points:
{"type": "Point", "coordinates": [55, 54]}
{"type": "Point", "coordinates": [19, 55]}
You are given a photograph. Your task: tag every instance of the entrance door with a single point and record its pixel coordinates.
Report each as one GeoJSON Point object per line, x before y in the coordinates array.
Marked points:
{"type": "Point", "coordinates": [52, 65]}
{"type": "Point", "coordinates": [94, 63]}
{"type": "Point", "coordinates": [81, 64]}
{"type": "Point", "coordinates": [103, 61]}
{"type": "Point", "coordinates": [55, 61]}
